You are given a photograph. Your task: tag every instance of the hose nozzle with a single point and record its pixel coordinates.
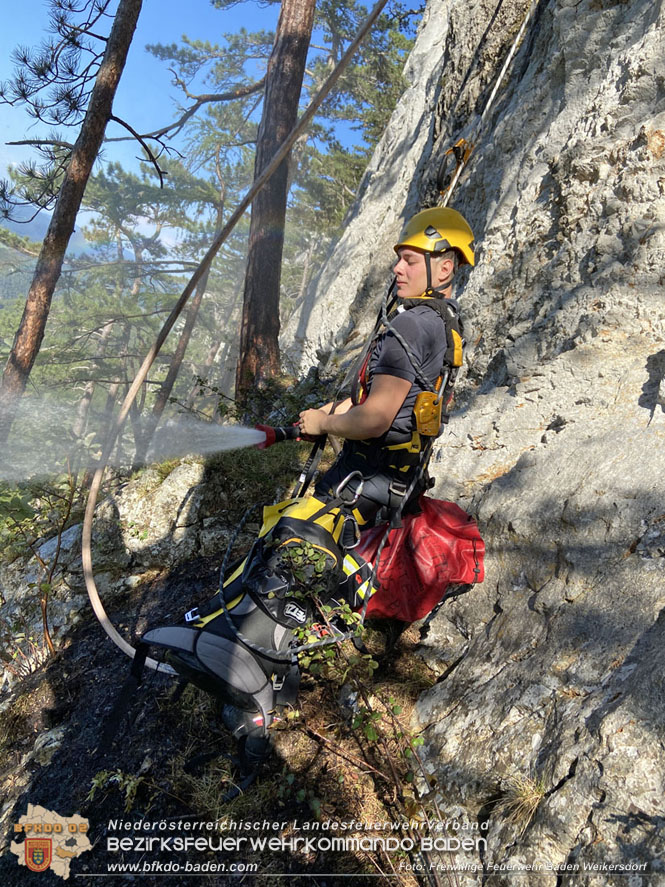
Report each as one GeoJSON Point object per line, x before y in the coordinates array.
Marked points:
{"type": "Point", "coordinates": [277, 434]}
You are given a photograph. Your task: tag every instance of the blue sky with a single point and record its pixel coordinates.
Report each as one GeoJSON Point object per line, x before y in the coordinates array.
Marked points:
{"type": "Point", "coordinates": [145, 97]}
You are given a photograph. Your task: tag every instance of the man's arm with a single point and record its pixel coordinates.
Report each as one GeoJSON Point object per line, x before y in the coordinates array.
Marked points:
{"type": "Point", "coordinates": [372, 418]}
{"type": "Point", "coordinates": [342, 407]}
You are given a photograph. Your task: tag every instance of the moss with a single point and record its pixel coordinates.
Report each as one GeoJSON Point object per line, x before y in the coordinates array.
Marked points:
{"type": "Point", "coordinates": [165, 468]}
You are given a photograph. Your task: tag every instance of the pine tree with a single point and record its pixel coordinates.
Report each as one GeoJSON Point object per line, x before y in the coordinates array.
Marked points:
{"type": "Point", "coordinates": [68, 101]}
{"type": "Point", "coordinates": [259, 347]}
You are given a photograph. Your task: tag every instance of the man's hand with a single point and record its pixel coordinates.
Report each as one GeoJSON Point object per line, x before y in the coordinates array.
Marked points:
{"type": "Point", "coordinates": [312, 422]}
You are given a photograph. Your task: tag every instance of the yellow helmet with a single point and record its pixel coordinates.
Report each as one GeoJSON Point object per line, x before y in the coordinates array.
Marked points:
{"type": "Point", "coordinates": [437, 229]}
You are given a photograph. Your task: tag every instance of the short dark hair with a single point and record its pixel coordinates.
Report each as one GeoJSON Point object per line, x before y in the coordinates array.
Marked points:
{"type": "Point", "coordinates": [449, 254]}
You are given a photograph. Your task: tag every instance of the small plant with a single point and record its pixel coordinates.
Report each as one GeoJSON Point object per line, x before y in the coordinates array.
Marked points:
{"type": "Point", "coordinates": [21, 653]}
{"type": "Point", "coordinates": [287, 790]}
{"type": "Point", "coordinates": [127, 784]}
{"type": "Point", "coordinates": [15, 514]}
{"type": "Point", "coordinates": [368, 721]}
{"type": "Point", "coordinates": [521, 798]}
{"type": "Point", "coordinates": [29, 515]}
{"type": "Point", "coordinates": [163, 469]}
{"type": "Point", "coordinates": [308, 566]}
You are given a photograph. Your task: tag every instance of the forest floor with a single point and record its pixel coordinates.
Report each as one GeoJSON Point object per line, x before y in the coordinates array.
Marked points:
{"type": "Point", "coordinates": [137, 765]}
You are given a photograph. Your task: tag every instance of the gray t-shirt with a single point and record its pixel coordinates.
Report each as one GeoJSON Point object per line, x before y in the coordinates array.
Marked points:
{"type": "Point", "coordinates": [425, 333]}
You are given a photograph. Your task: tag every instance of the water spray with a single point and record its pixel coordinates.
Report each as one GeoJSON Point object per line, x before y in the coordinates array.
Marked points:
{"type": "Point", "coordinates": [40, 444]}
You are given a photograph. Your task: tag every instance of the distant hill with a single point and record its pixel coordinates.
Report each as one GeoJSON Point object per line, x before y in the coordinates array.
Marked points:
{"type": "Point", "coordinates": [18, 255]}
{"type": "Point", "coordinates": [35, 229]}
{"type": "Point", "coordinates": [16, 267]}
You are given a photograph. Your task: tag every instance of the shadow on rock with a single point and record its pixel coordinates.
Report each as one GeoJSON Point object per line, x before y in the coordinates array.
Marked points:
{"type": "Point", "coordinates": [653, 390]}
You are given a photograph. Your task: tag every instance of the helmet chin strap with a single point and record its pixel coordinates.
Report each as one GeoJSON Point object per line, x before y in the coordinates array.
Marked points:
{"type": "Point", "coordinates": [434, 291]}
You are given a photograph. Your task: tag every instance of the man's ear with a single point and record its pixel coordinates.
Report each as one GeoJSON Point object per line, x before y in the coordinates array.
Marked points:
{"type": "Point", "coordinates": [443, 271]}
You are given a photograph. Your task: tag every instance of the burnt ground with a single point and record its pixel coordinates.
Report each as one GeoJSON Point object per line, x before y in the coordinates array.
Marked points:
{"type": "Point", "coordinates": [320, 770]}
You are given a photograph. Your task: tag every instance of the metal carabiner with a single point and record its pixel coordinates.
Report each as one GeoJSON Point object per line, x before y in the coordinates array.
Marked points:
{"type": "Point", "coordinates": [345, 482]}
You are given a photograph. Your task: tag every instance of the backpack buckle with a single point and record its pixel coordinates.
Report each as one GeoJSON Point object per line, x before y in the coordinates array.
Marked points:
{"type": "Point", "coordinates": [398, 487]}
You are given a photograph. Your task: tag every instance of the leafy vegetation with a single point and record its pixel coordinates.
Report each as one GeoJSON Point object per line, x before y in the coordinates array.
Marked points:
{"type": "Point", "coordinates": [30, 514]}
{"type": "Point", "coordinates": [16, 269]}
{"type": "Point", "coordinates": [18, 242]}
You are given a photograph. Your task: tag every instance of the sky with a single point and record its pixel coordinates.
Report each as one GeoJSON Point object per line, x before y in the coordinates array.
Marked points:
{"type": "Point", "coordinates": [146, 96]}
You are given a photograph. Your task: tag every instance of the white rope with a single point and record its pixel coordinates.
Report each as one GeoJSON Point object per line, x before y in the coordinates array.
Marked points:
{"type": "Point", "coordinates": [476, 132]}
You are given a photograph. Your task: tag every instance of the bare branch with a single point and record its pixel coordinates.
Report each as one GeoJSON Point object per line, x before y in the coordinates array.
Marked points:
{"type": "Point", "coordinates": [36, 142]}
{"type": "Point", "coordinates": [175, 127]}
{"type": "Point", "coordinates": [130, 264]}
{"type": "Point", "coordinates": [161, 173]}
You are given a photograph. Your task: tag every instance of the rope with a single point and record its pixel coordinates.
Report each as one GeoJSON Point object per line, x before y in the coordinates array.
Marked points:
{"type": "Point", "coordinates": [310, 467]}
{"type": "Point", "coordinates": [463, 148]}
{"type": "Point", "coordinates": [86, 544]}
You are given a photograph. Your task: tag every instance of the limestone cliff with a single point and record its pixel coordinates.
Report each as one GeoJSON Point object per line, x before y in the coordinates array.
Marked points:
{"type": "Point", "coordinates": [552, 671]}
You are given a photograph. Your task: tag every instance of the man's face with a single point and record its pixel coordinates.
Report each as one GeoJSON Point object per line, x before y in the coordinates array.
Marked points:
{"type": "Point", "coordinates": [411, 272]}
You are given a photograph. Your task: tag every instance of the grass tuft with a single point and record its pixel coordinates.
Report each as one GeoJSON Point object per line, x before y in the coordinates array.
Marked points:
{"type": "Point", "coordinates": [522, 797]}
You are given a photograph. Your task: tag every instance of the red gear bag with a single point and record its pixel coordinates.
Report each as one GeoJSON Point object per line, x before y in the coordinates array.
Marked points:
{"type": "Point", "coordinates": [420, 560]}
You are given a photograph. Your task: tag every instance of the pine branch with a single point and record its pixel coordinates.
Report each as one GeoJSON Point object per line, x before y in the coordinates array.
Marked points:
{"type": "Point", "coordinates": [200, 100]}
{"type": "Point", "coordinates": [35, 143]}
{"type": "Point", "coordinates": [160, 172]}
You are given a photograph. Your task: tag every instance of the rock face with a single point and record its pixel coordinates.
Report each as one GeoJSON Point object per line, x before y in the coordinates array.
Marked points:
{"type": "Point", "coordinates": [552, 671]}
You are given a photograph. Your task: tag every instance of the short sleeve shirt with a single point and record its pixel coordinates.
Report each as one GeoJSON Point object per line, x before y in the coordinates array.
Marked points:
{"type": "Point", "coordinates": [425, 333]}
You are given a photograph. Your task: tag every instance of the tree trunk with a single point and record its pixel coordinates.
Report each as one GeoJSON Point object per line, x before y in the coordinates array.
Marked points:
{"type": "Point", "coordinates": [30, 333]}
{"type": "Point", "coordinates": [83, 410]}
{"type": "Point", "coordinates": [259, 348]}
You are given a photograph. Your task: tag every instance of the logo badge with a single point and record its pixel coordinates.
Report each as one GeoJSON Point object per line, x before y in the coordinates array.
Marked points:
{"type": "Point", "coordinates": [38, 854]}
{"type": "Point", "coordinates": [293, 611]}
